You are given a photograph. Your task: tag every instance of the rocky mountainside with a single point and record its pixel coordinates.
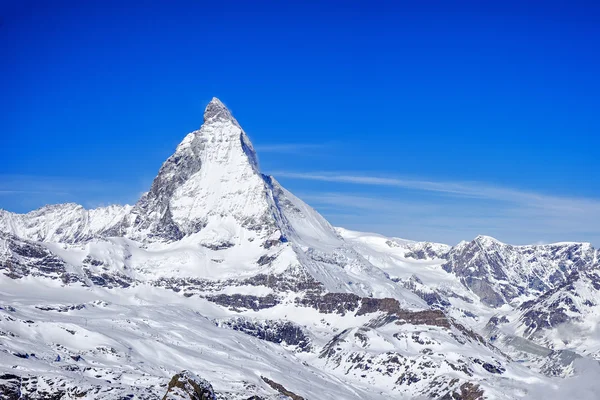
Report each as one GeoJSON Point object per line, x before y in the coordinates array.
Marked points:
{"type": "Point", "coordinates": [220, 271]}
{"type": "Point", "coordinates": [499, 273]}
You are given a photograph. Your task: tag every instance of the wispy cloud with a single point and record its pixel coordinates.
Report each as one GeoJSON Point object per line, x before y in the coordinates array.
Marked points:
{"type": "Point", "coordinates": [453, 211]}
{"type": "Point", "coordinates": [368, 203]}
{"type": "Point", "coordinates": [290, 148]}
{"type": "Point", "coordinates": [24, 192]}
{"type": "Point", "coordinates": [461, 189]}
{"type": "Point", "coordinates": [18, 192]}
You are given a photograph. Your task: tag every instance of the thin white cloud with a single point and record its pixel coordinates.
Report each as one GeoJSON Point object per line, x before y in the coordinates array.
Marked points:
{"type": "Point", "coordinates": [456, 211]}
{"type": "Point", "coordinates": [290, 148]}
{"type": "Point", "coordinates": [26, 192]}
{"type": "Point", "coordinates": [50, 184]}
{"type": "Point", "coordinates": [451, 222]}
{"type": "Point", "coordinates": [19, 192]}
{"type": "Point", "coordinates": [368, 203]}
{"type": "Point", "coordinates": [462, 189]}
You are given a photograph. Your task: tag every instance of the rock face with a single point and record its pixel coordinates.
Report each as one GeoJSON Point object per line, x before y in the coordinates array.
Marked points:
{"type": "Point", "coordinates": [563, 317]}
{"type": "Point", "coordinates": [499, 273]}
{"type": "Point", "coordinates": [281, 389]}
{"type": "Point", "coordinates": [280, 332]}
{"type": "Point", "coordinates": [10, 387]}
{"type": "Point", "coordinates": [213, 173]}
{"type": "Point", "coordinates": [64, 223]}
{"type": "Point", "coordinates": [219, 270]}
{"type": "Point", "coordinates": [23, 258]}
{"type": "Point", "coordinates": [187, 386]}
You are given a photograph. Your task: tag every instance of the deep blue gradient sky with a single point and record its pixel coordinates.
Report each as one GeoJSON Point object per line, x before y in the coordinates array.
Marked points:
{"type": "Point", "coordinates": [495, 105]}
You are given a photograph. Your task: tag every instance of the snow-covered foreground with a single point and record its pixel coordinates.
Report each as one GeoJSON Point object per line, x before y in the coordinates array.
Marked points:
{"type": "Point", "coordinates": [110, 344]}
{"type": "Point", "coordinates": [134, 341]}
{"type": "Point", "coordinates": [220, 271]}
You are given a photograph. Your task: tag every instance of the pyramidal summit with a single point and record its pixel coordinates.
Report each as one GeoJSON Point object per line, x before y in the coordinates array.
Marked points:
{"type": "Point", "coordinates": [218, 283]}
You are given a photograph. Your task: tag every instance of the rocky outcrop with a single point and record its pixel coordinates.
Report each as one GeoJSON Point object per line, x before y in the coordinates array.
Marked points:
{"type": "Point", "coordinates": [188, 386]}
{"type": "Point", "coordinates": [281, 389]}
{"type": "Point", "coordinates": [23, 258]}
{"type": "Point", "coordinates": [567, 304]}
{"type": "Point", "coordinates": [10, 387]}
{"type": "Point", "coordinates": [426, 251]}
{"type": "Point", "coordinates": [237, 302]}
{"type": "Point", "coordinates": [499, 273]}
{"type": "Point", "coordinates": [466, 391]}
{"type": "Point", "coordinates": [275, 331]}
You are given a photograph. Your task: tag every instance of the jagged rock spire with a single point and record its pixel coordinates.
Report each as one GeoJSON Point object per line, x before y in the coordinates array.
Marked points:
{"type": "Point", "coordinates": [216, 111]}
{"type": "Point", "coordinates": [213, 172]}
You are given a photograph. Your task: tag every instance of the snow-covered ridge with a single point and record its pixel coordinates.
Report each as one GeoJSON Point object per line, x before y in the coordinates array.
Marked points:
{"type": "Point", "coordinates": [68, 223]}
{"type": "Point", "coordinates": [499, 273]}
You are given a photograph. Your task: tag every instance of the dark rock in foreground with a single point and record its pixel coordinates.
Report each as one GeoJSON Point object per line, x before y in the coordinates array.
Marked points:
{"type": "Point", "coordinates": [187, 386]}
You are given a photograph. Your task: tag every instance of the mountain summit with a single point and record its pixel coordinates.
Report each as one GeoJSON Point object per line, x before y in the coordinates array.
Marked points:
{"type": "Point", "coordinates": [213, 172]}
{"type": "Point", "coordinates": [216, 110]}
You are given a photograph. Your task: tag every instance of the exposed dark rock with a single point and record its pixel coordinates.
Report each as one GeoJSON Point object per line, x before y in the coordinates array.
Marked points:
{"type": "Point", "coordinates": [426, 252]}
{"type": "Point", "coordinates": [466, 391]}
{"type": "Point", "coordinates": [92, 261]}
{"type": "Point", "coordinates": [152, 210]}
{"type": "Point", "coordinates": [270, 243]}
{"type": "Point", "coordinates": [219, 246]}
{"type": "Point", "coordinates": [108, 280]}
{"type": "Point", "coordinates": [25, 258]}
{"type": "Point", "coordinates": [557, 306]}
{"type": "Point", "coordinates": [240, 301]}
{"type": "Point", "coordinates": [392, 306]}
{"type": "Point", "coordinates": [329, 350]}
{"type": "Point", "coordinates": [266, 260]}
{"type": "Point", "coordinates": [497, 320]}
{"type": "Point", "coordinates": [493, 369]}
{"type": "Point", "coordinates": [10, 387]}
{"type": "Point", "coordinates": [290, 280]}
{"type": "Point", "coordinates": [14, 387]}
{"type": "Point", "coordinates": [432, 298]}
{"type": "Point", "coordinates": [187, 386]}
{"type": "Point", "coordinates": [482, 266]}
{"type": "Point", "coordinates": [61, 308]}
{"type": "Point", "coordinates": [282, 389]}
{"type": "Point", "coordinates": [280, 332]}
{"type": "Point", "coordinates": [408, 378]}
{"type": "Point", "coordinates": [338, 303]}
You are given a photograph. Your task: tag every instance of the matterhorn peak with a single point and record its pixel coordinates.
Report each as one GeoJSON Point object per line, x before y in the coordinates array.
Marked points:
{"type": "Point", "coordinates": [212, 174]}
{"type": "Point", "coordinates": [217, 111]}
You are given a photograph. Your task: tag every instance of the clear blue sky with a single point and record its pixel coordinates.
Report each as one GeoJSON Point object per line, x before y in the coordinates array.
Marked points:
{"type": "Point", "coordinates": [482, 118]}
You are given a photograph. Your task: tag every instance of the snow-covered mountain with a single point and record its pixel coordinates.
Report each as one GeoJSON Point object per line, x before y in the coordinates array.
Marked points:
{"type": "Point", "coordinates": [499, 273]}
{"type": "Point", "coordinates": [220, 283]}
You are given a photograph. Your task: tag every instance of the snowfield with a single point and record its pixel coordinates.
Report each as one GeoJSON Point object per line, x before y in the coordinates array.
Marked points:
{"type": "Point", "coordinates": [220, 280]}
